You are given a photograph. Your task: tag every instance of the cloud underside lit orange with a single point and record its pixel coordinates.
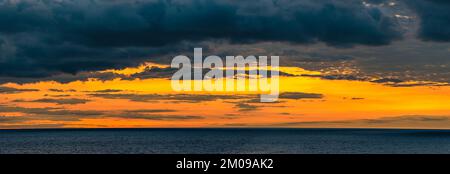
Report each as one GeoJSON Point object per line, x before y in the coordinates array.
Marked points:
{"type": "Point", "coordinates": [304, 102]}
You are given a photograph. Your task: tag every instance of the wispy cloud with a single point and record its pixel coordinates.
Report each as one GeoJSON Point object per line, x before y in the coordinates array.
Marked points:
{"type": "Point", "coordinates": [60, 101]}
{"type": "Point", "coordinates": [9, 90]}
{"type": "Point", "coordinates": [173, 97]}
{"type": "Point", "coordinates": [411, 121]}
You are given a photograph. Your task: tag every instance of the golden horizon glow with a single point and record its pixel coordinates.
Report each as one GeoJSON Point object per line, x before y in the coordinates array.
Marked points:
{"type": "Point", "coordinates": [151, 102]}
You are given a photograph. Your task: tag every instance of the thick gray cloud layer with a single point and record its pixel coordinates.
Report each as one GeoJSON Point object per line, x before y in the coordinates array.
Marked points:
{"type": "Point", "coordinates": [435, 19]}
{"type": "Point", "coordinates": [43, 38]}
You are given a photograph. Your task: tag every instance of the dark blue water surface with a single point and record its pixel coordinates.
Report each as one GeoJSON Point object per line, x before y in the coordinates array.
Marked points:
{"type": "Point", "coordinates": [204, 141]}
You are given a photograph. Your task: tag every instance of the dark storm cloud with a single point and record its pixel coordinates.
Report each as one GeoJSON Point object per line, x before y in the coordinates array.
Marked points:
{"type": "Point", "coordinates": [44, 38]}
{"type": "Point", "coordinates": [434, 19]}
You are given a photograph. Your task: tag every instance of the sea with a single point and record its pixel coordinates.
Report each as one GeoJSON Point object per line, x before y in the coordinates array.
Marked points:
{"type": "Point", "coordinates": [224, 141]}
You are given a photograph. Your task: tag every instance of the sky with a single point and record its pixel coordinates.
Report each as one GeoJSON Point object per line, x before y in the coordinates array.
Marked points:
{"type": "Point", "coordinates": [106, 63]}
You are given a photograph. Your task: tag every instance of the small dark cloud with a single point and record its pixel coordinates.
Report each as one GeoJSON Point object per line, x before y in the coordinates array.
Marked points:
{"type": "Point", "coordinates": [61, 114]}
{"type": "Point", "coordinates": [11, 119]}
{"type": "Point", "coordinates": [414, 121]}
{"type": "Point", "coordinates": [253, 102]}
{"type": "Point", "coordinates": [336, 77]}
{"type": "Point", "coordinates": [159, 117]}
{"type": "Point", "coordinates": [299, 95]}
{"type": "Point", "coordinates": [237, 125]}
{"type": "Point", "coordinates": [48, 111]}
{"type": "Point", "coordinates": [153, 72]}
{"type": "Point", "coordinates": [53, 114]}
{"type": "Point", "coordinates": [401, 83]}
{"type": "Point", "coordinates": [357, 98]}
{"type": "Point", "coordinates": [60, 95]}
{"type": "Point", "coordinates": [288, 124]}
{"type": "Point", "coordinates": [61, 90]}
{"type": "Point", "coordinates": [153, 114]}
{"type": "Point", "coordinates": [406, 121]}
{"type": "Point", "coordinates": [56, 90]}
{"type": "Point", "coordinates": [194, 98]}
{"type": "Point", "coordinates": [414, 84]}
{"type": "Point", "coordinates": [408, 118]}
{"type": "Point", "coordinates": [246, 107]}
{"type": "Point", "coordinates": [387, 80]}
{"type": "Point", "coordinates": [62, 101]}
{"type": "Point", "coordinates": [32, 126]}
{"type": "Point", "coordinates": [9, 90]}
{"type": "Point", "coordinates": [150, 111]}
{"type": "Point", "coordinates": [107, 91]}
{"type": "Point", "coordinates": [393, 82]}
{"type": "Point", "coordinates": [230, 116]}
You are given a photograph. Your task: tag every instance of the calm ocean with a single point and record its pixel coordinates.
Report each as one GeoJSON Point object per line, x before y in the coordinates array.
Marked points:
{"type": "Point", "coordinates": [234, 141]}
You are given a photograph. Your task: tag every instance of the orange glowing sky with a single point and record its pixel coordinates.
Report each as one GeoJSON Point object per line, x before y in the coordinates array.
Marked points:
{"type": "Point", "coordinates": [105, 64]}
{"type": "Point", "coordinates": [151, 102]}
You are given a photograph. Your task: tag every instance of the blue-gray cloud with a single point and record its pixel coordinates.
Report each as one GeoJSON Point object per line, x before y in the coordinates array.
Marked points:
{"type": "Point", "coordinates": [44, 38]}
{"type": "Point", "coordinates": [434, 19]}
